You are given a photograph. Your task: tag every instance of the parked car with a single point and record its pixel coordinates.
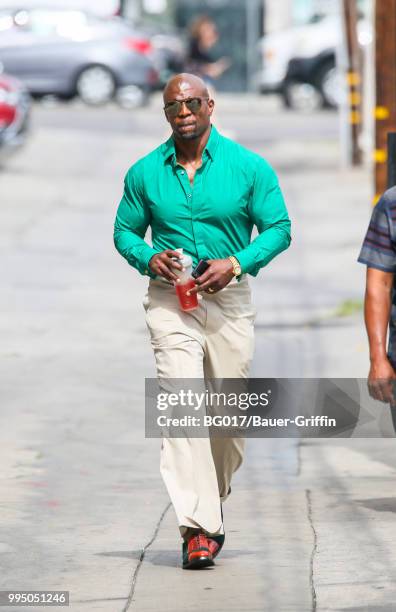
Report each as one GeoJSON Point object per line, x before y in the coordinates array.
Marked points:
{"type": "Point", "coordinates": [300, 63]}
{"type": "Point", "coordinates": [14, 113]}
{"type": "Point", "coordinates": [169, 51]}
{"type": "Point", "coordinates": [313, 81]}
{"type": "Point", "coordinates": [67, 52]}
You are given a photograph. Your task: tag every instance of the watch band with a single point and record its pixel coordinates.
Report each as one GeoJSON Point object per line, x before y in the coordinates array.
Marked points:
{"type": "Point", "coordinates": [236, 266]}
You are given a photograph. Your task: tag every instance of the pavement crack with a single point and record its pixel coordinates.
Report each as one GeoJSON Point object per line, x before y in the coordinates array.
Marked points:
{"type": "Point", "coordinates": [314, 550]}
{"type": "Point", "coordinates": [141, 559]}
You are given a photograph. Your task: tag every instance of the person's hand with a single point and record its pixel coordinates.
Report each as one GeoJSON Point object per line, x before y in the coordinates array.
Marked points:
{"type": "Point", "coordinates": [215, 278]}
{"type": "Point", "coordinates": [216, 69]}
{"type": "Point", "coordinates": [381, 380]}
{"type": "Point", "coordinates": [162, 264]}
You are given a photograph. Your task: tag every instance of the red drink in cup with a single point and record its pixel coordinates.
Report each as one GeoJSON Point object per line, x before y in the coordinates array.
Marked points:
{"type": "Point", "coordinates": [187, 302]}
{"type": "Point", "coordinates": [186, 282]}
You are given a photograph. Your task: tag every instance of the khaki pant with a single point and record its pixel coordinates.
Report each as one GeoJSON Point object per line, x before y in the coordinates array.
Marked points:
{"type": "Point", "coordinates": [214, 341]}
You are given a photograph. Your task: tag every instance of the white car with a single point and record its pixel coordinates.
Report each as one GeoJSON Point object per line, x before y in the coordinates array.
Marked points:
{"type": "Point", "coordinates": [313, 44]}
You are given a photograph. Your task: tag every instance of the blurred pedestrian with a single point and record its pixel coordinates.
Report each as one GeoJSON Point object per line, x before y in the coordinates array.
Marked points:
{"type": "Point", "coordinates": [203, 193]}
{"type": "Point", "coordinates": [379, 254]}
{"type": "Point", "coordinates": [203, 57]}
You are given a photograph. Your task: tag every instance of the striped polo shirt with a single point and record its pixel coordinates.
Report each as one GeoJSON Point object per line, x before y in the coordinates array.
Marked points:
{"type": "Point", "coordinates": [379, 251]}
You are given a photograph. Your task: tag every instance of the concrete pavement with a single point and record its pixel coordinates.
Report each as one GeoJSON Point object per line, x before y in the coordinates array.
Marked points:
{"type": "Point", "coordinates": [309, 525]}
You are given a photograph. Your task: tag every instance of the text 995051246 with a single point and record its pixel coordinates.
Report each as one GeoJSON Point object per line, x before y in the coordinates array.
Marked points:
{"type": "Point", "coordinates": [34, 598]}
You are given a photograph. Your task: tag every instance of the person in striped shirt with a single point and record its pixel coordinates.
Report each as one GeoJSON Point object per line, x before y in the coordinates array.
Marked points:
{"type": "Point", "coordinates": [379, 254]}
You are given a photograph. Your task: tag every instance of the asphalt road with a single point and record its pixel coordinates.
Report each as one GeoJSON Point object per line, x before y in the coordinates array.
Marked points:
{"type": "Point", "coordinates": [310, 524]}
{"type": "Point", "coordinates": [253, 117]}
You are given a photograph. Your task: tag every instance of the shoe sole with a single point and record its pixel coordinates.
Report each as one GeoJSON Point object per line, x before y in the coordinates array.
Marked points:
{"type": "Point", "coordinates": [198, 563]}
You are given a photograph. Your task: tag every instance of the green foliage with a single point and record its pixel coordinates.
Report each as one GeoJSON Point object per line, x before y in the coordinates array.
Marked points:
{"type": "Point", "coordinates": [348, 308]}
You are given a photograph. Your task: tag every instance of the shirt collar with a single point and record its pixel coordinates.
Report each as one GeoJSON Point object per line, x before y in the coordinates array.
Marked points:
{"type": "Point", "coordinates": [169, 150]}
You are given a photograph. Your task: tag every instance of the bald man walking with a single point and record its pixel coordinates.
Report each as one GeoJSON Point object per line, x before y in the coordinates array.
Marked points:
{"type": "Point", "coordinates": [203, 193]}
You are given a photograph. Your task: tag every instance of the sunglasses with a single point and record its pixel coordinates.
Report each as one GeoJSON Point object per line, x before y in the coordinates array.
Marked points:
{"type": "Point", "coordinates": [173, 108]}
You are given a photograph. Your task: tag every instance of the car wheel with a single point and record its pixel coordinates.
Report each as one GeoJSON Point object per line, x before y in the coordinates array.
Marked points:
{"type": "Point", "coordinates": [131, 96]}
{"type": "Point", "coordinates": [95, 85]}
{"type": "Point", "coordinates": [301, 96]}
{"type": "Point", "coordinates": [328, 81]}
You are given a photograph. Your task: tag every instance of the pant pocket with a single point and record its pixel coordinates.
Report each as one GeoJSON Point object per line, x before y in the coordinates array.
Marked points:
{"type": "Point", "coordinates": [146, 302]}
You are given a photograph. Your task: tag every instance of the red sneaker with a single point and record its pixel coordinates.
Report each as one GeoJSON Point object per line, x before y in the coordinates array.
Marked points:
{"type": "Point", "coordinates": [196, 553]}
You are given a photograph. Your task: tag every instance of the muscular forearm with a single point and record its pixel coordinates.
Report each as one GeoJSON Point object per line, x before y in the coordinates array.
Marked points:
{"type": "Point", "coordinates": [377, 310]}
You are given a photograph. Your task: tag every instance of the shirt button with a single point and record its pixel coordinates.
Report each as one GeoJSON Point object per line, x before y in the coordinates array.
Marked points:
{"type": "Point", "coordinates": [182, 172]}
{"type": "Point", "coordinates": [189, 195]}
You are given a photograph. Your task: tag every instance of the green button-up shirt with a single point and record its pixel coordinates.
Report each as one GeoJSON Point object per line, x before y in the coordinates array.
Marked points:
{"type": "Point", "coordinates": [234, 190]}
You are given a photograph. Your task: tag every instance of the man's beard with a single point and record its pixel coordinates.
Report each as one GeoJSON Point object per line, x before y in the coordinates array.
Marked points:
{"type": "Point", "coordinates": [188, 136]}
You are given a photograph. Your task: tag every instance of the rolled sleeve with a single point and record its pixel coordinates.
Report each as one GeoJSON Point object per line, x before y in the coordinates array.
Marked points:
{"type": "Point", "coordinates": [268, 212]}
{"type": "Point", "coordinates": [131, 223]}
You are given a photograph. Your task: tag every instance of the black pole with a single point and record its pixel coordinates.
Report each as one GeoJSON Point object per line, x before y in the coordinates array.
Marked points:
{"type": "Point", "coordinates": [391, 159]}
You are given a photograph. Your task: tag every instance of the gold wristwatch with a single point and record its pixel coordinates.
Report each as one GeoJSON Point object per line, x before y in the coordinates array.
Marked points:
{"type": "Point", "coordinates": [236, 266]}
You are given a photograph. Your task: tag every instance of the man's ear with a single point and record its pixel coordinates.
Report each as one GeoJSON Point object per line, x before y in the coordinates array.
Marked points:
{"type": "Point", "coordinates": [211, 105]}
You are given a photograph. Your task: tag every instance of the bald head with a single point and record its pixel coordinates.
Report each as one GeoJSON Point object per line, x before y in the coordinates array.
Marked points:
{"type": "Point", "coordinates": [185, 83]}
{"type": "Point", "coordinates": [187, 106]}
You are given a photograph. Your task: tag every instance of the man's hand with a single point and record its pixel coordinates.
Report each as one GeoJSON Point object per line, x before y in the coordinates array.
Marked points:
{"type": "Point", "coordinates": [162, 264]}
{"type": "Point", "coordinates": [215, 278]}
{"type": "Point", "coordinates": [381, 380]}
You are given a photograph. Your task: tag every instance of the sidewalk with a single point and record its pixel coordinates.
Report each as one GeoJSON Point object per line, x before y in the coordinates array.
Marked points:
{"type": "Point", "coordinates": [309, 526]}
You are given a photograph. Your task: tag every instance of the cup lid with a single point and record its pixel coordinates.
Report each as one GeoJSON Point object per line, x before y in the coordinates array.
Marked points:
{"type": "Point", "coordinates": [186, 260]}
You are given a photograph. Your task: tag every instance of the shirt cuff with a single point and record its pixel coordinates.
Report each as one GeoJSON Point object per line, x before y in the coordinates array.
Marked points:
{"type": "Point", "coordinates": [144, 259]}
{"type": "Point", "coordinates": [246, 260]}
